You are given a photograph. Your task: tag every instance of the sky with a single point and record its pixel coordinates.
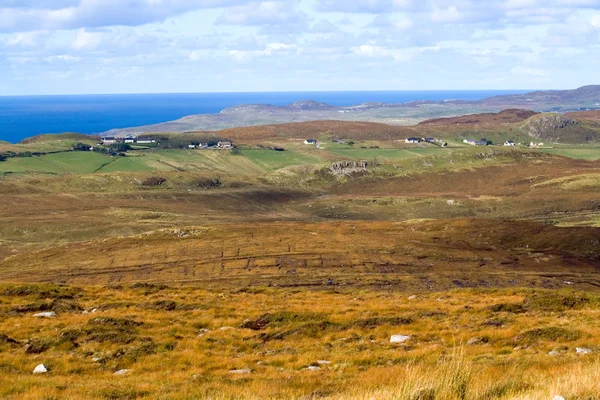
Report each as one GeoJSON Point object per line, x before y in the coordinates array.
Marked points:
{"type": "Point", "coordinates": [158, 46]}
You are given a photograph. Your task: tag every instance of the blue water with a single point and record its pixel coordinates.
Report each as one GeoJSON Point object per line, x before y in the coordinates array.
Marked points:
{"type": "Point", "coordinates": [25, 116]}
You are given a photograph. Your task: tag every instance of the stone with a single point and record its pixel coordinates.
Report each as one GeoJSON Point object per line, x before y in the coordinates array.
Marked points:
{"type": "Point", "coordinates": [554, 353]}
{"type": "Point", "coordinates": [46, 314]}
{"type": "Point", "coordinates": [323, 362]}
{"type": "Point", "coordinates": [313, 368]}
{"type": "Point", "coordinates": [203, 332]}
{"type": "Point", "coordinates": [122, 372]}
{"type": "Point", "coordinates": [583, 350]}
{"type": "Point", "coordinates": [558, 398]}
{"type": "Point", "coordinates": [40, 369]}
{"type": "Point", "coordinates": [413, 297]}
{"type": "Point", "coordinates": [478, 340]}
{"type": "Point", "coordinates": [399, 338]}
{"type": "Point", "coordinates": [240, 371]}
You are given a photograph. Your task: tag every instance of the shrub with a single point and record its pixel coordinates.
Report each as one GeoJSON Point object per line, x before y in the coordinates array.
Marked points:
{"type": "Point", "coordinates": [81, 147]}
{"type": "Point", "coordinates": [551, 334]}
{"type": "Point", "coordinates": [154, 181]}
{"type": "Point", "coordinates": [552, 301]}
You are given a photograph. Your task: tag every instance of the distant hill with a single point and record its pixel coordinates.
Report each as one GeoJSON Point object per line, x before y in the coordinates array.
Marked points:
{"type": "Point", "coordinates": [509, 116]}
{"type": "Point", "coordinates": [411, 113]}
{"type": "Point", "coordinates": [586, 95]}
{"type": "Point", "coordinates": [59, 136]}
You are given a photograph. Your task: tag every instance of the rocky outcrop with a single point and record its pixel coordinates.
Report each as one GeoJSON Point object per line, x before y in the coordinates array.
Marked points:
{"type": "Point", "coordinates": [547, 126]}
{"type": "Point", "coordinates": [342, 168]}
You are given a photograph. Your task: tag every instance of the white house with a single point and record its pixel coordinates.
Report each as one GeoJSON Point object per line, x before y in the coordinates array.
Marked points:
{"type": "Point", "coordinates": [509, 143]}
{"type": "Point", "coordinates": [145, 141]}
{"type": "Point", "coordinates": [311, 141]}
{"type": "Point", "coordinates": [413, 140]}
{"type": "Point", "coordinates": [224, 145]}
{"type": "Point", "coordinates": [191, 146]}
{"type": "Point", "coordinates": [109, 140]}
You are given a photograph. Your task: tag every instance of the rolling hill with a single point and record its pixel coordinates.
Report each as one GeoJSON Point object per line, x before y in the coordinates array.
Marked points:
{"type": "Point", "coordinates": [410, 113]}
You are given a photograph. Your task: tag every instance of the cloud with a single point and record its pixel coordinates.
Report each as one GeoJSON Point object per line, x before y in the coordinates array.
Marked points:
{"type": "Point", "coordinates": [528, 71]}
{"type": "Point", "coordinates": [368, 6]}
{"type": "Point", "coordinates": [17, 16]}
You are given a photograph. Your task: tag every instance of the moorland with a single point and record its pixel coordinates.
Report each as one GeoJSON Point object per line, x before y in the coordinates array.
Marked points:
{"type": "Point", "coordinates": [279, 269]}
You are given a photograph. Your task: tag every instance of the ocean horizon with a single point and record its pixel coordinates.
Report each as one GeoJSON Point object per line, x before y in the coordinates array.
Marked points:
{"type": "Point", "coordinates": [25, 116]}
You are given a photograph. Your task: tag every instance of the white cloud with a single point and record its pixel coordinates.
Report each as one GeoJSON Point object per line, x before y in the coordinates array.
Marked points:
{"type": "Point", "coordinates": [528, 71]}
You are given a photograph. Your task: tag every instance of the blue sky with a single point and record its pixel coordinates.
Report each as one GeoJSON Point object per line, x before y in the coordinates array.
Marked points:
{"type": "Point", "coordinates": [151, 46]}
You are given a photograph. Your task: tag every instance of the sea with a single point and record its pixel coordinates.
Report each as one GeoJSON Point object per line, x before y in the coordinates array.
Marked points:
{"type": "Point", "coordinates": [26, 116]}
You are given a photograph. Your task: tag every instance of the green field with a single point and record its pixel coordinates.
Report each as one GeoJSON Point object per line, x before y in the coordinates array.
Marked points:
{"type": "Point", "coordinates": [71, 162]}
{"type": "Point", "coordinates": [383, 154]}
{"type": "Point", "coordinates": [272, 160]}
{"type": "Point", "coordinates": [583, 153]}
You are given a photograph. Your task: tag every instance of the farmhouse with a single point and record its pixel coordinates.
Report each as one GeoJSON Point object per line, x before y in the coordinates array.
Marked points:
{"type": "Point", "coordinates": [509, 143]}
{"type": "Point", "coordinates": [474, 142]}
{"type": "Point", "coordinates": [413, 140]}
{"type": "Point", "coordinates": [109, 140]}
{"type": "Point", "coordinates": [311, 141]}
{"type": "Point", "coordinates": [224, 145]}
{"type": "Point", "coordinates": [145, 141]}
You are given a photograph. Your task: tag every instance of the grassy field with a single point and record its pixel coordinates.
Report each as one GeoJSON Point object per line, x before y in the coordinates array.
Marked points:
{"type": "Point", "coordinates": [58, 163]}
{"type": "Point", "coordinates": [204, 274]}
{"type": "Point", "coordinates": [590, 153]}
{"type": "Point", "coordinates": [272, 160]}
{"type": "Point", "coordinates": [189, 343]}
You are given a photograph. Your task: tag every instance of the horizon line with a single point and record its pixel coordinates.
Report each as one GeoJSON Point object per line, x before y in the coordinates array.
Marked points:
{"type": "Point", "coordinates": [276, 92]}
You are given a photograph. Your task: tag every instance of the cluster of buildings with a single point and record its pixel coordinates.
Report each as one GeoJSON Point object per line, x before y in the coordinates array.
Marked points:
{"type": "Point", "coordinates": [419, 140]}
{"type": "Point", "coordinates": [219, 145]}
{"type": "Point", "coordinates": [473, 142]}
{"type": "Point", "coordinates": [129, 139]}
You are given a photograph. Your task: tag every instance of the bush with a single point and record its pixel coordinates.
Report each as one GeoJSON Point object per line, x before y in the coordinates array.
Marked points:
{"type": "Point", "coordinates": [552, 334]}
{"type": "Point", "coordinates": [154, 181]}
{"type": "Point", "coordinates": [551, 301]}
{"type": "Point", "coordinates": [120, 147]}
{"type": "Point", "coordinates": [208, 183]}
{"type": "Point", "coordinates": [81, 147]}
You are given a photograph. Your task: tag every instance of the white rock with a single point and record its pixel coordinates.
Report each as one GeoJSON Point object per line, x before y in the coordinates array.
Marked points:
{"type": "Point", "coordinates": [583, 350]}
{"type": "Point", "coordinates": [96, 359]}
{"type": "Point", "coordinates": [399, 338]}
{"type": "Point", "coordinates": [47, 314]}
{"type": "Point", "coordinates": [122, 372]}
{"type": "Point", "coordinates": [203, 332]}
{"type": "Point", "coordinates": [554, 353]}
{"type": "Point", "coordinates": [323, 362]}
{"type": "Point", "coordinates": [313, 368]}
{"type": "Point", "coordinates": [240, 371]}
{"type": "Point", "coordinates": [413, 297]}
{"type": "Point", "coordinates": [558, 398]}
{"type": "Point", "coordinates": [40, 369]}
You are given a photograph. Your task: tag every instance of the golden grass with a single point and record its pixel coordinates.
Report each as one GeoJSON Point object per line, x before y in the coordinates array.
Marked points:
{"type": "Point", "coordinates": [188, 339]}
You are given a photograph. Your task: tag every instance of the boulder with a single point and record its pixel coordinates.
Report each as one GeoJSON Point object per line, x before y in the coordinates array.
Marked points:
{"type": "Point", "coordinates": [240, 371]}
{"type": "Point", "coordinates": [558, 398]}
{"type": "Point", "coordinates": [323, 362]}
{"type": "Point", "coordinates": [40, 369]}
{"type": "Point", "coordinates": [399, 338]}
{"type": "Point", "coordinates": [122, 372]}
{"type": "Point", "coordinates": [413, 297]}
{"type": "Point", "coordinates": [478, 340]}
{"type": "Point", "coordinates": [46, 314]}
{"type": "Point", "coordinates": [583, 350]}
{"type": "Point", "coordinates": [313, 368]}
